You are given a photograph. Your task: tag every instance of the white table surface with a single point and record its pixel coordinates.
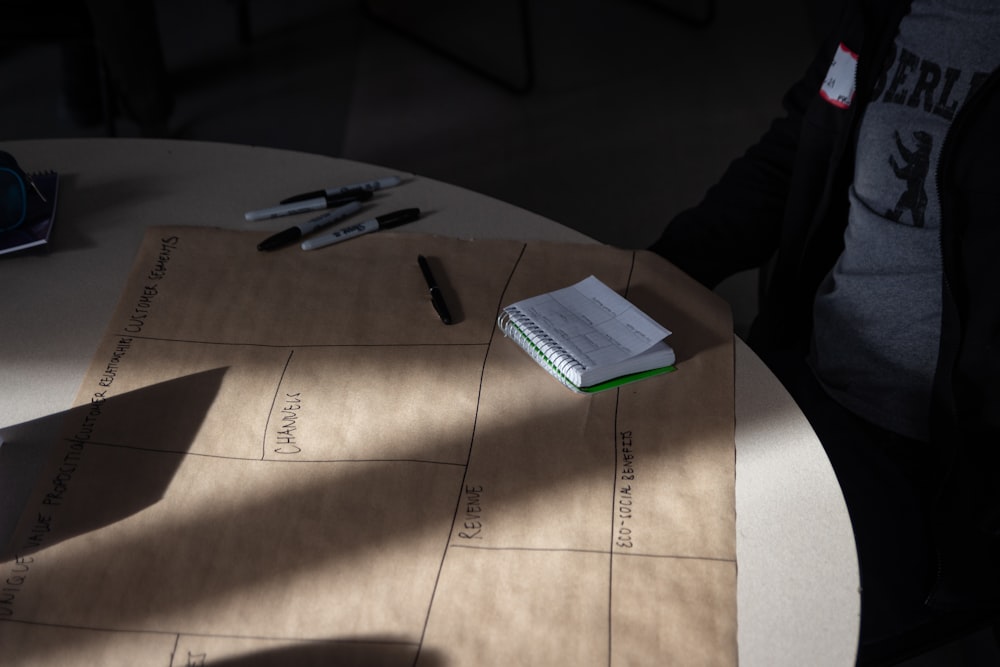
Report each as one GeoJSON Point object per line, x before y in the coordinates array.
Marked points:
{"type": "Point", "coordinates": [798, 591]}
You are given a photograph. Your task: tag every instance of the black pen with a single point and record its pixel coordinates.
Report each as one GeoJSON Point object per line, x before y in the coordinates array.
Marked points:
{"type": "Point", "coordinates": [317, 203]}
{"type": "Point", "coordinates": [368, 186]}
{"type": "Point", "coordinates": [436, 298]}
{"type": "Point", "coordinates": [293, 234]}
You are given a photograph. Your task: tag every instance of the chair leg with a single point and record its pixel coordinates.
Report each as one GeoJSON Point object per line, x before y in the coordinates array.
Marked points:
{"type": "Point", "coordinates": [244, 31]}
{"type": "Point", "coordinates": [108, 100]}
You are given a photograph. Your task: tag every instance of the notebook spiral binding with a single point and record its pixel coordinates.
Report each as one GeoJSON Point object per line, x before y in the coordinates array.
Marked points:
{"type": "Point", "coordinates": [551, 356]}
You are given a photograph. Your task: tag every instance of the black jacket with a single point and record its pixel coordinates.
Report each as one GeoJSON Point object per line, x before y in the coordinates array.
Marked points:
{"type": "Point", "coordinates": [783, 205]}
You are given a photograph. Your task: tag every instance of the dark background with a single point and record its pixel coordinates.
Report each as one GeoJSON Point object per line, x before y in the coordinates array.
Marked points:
{"type": "Point", "coordinates": [631, 114]}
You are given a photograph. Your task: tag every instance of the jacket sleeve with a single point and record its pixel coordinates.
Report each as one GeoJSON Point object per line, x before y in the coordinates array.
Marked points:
{"type": "Point", "coordinates": [967, 397]}
{"type": "Point", "coordinates": [737, 225]}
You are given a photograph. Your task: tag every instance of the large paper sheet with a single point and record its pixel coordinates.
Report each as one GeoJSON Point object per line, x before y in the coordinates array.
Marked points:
{"type": "Point", "coordinates": [287, 459]}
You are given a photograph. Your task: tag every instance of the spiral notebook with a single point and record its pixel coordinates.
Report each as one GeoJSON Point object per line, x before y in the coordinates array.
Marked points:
{"type": "Point", "coordinates": [588, 336]}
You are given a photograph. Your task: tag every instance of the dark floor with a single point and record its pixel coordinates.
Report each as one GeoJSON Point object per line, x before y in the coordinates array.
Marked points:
{"type": "Point", "coordinates": [632, 115]}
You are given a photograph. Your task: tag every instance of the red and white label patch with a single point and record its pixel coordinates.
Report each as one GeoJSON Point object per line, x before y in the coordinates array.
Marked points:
{"type": "Point", "coordinates": [838, 87]}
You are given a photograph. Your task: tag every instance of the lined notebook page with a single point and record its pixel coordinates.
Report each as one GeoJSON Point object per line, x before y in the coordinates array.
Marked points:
{"type": "Point", "coordinates": [594, 323]}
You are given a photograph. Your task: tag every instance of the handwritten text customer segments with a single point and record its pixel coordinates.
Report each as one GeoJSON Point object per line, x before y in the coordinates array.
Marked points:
{"type": "Point", "coordinates": [151, 287]}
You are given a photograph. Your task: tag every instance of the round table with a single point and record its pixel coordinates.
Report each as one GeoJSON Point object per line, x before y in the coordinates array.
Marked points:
{"type": "Point", "coordinates": [798, 590]}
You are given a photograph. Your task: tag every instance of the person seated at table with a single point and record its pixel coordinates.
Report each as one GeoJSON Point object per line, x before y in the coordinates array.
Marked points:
{"type": "Point", "coordinates": [873, 205]}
